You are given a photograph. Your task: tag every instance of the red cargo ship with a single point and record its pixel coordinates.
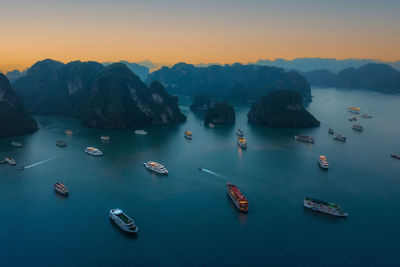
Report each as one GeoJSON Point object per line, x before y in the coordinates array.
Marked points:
{"type": "Point", "coordinates": [237, 197]}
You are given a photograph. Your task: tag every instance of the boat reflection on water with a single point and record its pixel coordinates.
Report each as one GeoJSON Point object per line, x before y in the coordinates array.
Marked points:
{"type": "Point", "coordinates": [240, 151]}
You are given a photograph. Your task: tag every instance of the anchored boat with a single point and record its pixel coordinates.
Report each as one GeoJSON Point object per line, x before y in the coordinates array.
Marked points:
{"type": "Point", "coordinates": [61, 143]}
{"type": "Point", "coordinates": [323, 206]}
{"type": "Point", "coordinates": [358, 127]}
{"type": "Point", "coordinates": [188, 134]}
{"type": "Point", "coordinates": [123, 221]}
{"type": "Point", "coordinates": [304, 138]}
{"type": "Point", "coordinates": [156, 167]}
{"type": "Point", "coordinates": [340, 137]}
{"type": "Point", "coordinates": [395, 156]}
{"type": "Point", "coordinates": [239, 132]}
{"type": "Point", "coordinates": [105, 138]}
{"type": "Point", "coordinates": [69, 132]}
{"type": "Point", "coordinates": [237, 197]}
{"type": "Point", "coordinates": [61, 189]}
{"type": "Point", "coordinates": [330, 131]}
{"type": "Point", "coordinates": [93, 151]}
{"type": "Point", "coordinates": [353, 118]}
{"type": "Point", "coordinates": [211, 125]}
{"type": "Point", "coordinates": [366, 116]}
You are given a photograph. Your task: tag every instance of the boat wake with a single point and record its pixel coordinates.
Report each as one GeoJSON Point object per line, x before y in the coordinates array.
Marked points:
{"type": "Point", "coordinates": [41, 162]}
{"type": "Point", "coordinates": [213, 173]}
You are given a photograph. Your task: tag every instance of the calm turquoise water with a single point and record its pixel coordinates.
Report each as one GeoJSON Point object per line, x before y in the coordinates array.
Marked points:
{"type": "Point", "coordinates": [186, 218]}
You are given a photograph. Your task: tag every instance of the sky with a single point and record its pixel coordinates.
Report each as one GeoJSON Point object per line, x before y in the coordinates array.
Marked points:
{"type": "Point", "coordinates": [203, 31]}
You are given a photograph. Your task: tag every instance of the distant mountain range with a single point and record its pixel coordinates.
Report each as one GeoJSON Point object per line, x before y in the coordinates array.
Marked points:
{"type": "Point", "coordinates": [111, 97]}
{"type": "Point", "coordinates": [140, 70]}
{"type": "Point", "coordinates": [331, 64]}
{"type": "Point", "coordinates": [234, 83]}
{"type": "Point", "coordinates": [372, 76]}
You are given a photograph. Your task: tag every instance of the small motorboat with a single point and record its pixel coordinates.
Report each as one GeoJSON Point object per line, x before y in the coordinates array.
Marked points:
{"type": "Point", "coordinates": [61, 189]}
{"type": "Point", "coordinates": [123, 221]}
{"type": "Point", "coordinates": [140, 132]}
{"type": "Point", "coordinates": [10, 161]}
{"type": "Point", "coordinates": [395, 156]}
{"type": "Point", "coordinates": [239, 132]}
{"type": "Point", "coordinates": [211, 125]}
{"type": "Point", "coordinates": [22, 168]}
{"type": "Point", "coordinates": [69, 132]}
{"type": "Point", "coordinates": [200, 168]}
{"type": "Point", "coordinates": [358, 128]}
{"type": "Point", "coordinates": [105, 138]}
{"type": "Point", "coordinates": [61, 143]}
{"type": "Point", "coordinates": [16, 144]}
{"type": "Point", "coordinates": [330, 131]}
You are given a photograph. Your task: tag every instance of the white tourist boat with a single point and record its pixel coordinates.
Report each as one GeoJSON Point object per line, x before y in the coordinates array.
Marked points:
{"type": "Point", "coordinates": [155, 167]}
{"type": "Point", "coordinates": [123, 221]}
{"type": "Point", "coordinates": [93, 151]}
{"type": "Point", "coordinates": [323, 162]}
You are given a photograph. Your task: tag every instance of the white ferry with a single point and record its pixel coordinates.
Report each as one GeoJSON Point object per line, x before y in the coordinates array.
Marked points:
{"type": "Point", "coordinates": [323, 162]}
{"type": "Point", "coordinates": [156, 167]}
{"type": "Point", "coordinates": [123, 221]}
{"type": "Point", "coordinates": [93, 151]}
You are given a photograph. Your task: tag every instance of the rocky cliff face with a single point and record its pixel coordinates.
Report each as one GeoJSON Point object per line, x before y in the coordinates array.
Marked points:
{"type": "Point", "coordinates": [281, 109]}
{"type": "Point", "coordinates": [237, 82]}
{"type": "Point", "coordinates": [14, 120]}
{"type": "Point", "coordinates": [119, 99]}
{"type": "Point", "coordinates": [202, 102]}
{"type": "Point", "coordinates": [54, 88]}
{"type": "Point", "coordinates": [221, 113]}
{"type": "Point", "coordinates": [110, 97]}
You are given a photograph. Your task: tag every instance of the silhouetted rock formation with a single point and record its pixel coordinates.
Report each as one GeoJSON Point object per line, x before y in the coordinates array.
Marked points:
{"type": "Point", "coordinates": [110, 97]}
{"type": "Point", "coordinates": [221, 113]}
{"type": "Point", "coordinates": [230, 82]}
{"type": "Point", "coordinates": [14, 119]}
{"type": "Point", "coordinates": [281, 109]}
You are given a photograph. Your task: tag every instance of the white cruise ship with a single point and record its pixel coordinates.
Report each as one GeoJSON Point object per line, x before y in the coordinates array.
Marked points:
{"type": "Point", "coordinates": [123, 221]}
{"type": "Point", "coordinates": [323, 162]}
{"type": "Point", "coordinates": [93, 151]}
{"type": "Point", "coordinates": [155, 167]}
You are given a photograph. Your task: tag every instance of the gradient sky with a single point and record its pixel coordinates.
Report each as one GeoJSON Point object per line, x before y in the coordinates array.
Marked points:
{"type": "Point", "coordinates": [223, 31]}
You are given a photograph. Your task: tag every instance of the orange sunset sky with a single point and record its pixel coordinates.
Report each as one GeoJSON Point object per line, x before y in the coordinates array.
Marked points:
{"type": "Point", "coordinates": [223, 31]}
